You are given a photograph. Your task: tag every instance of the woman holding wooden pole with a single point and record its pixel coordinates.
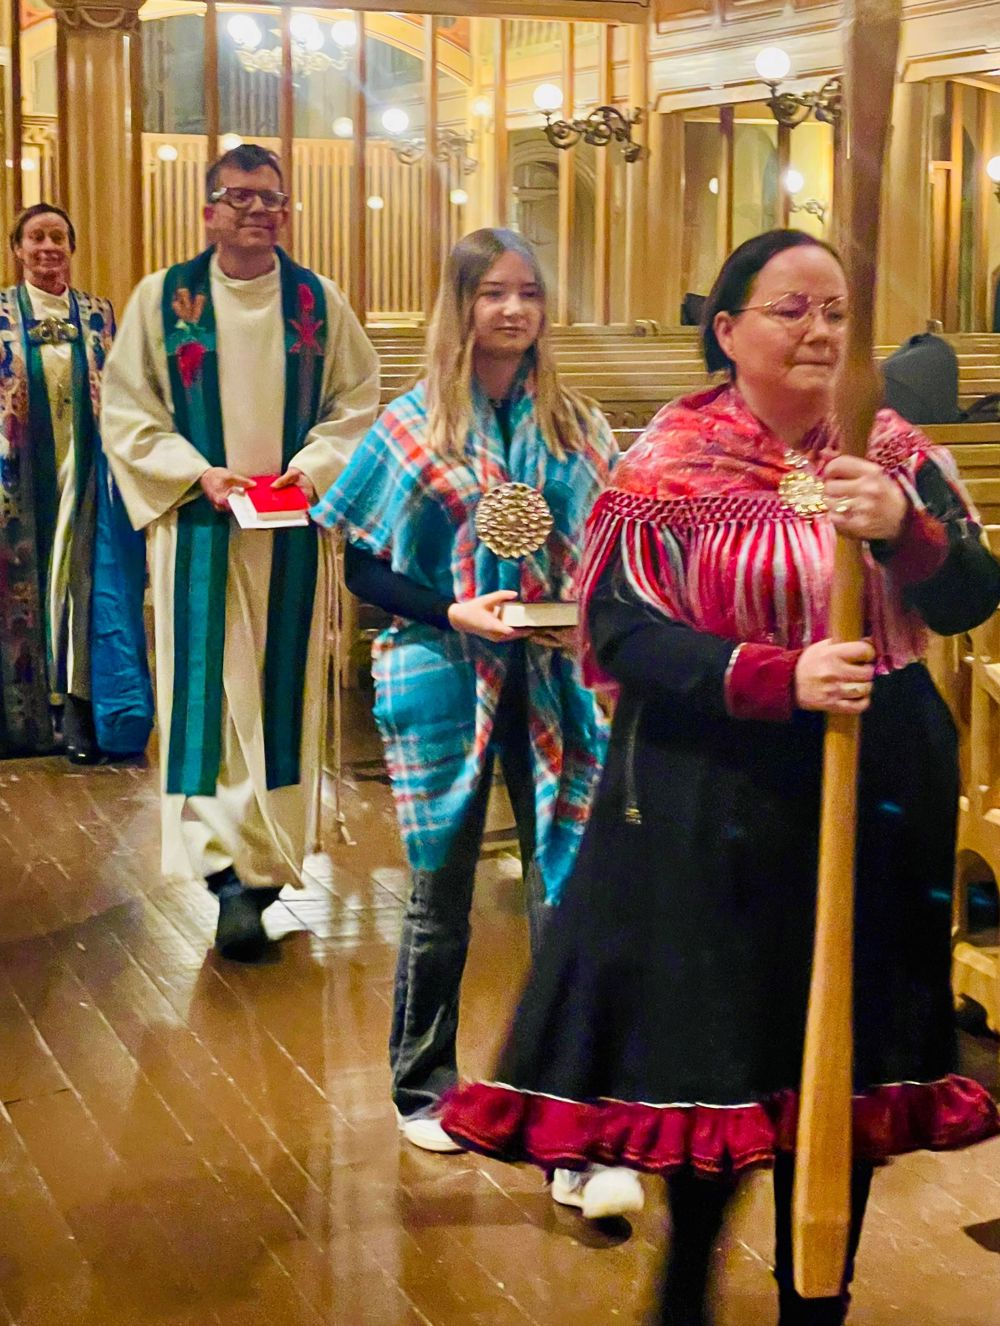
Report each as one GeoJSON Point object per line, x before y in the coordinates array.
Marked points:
{"type": "Point", "coordinates": [663, 1024]}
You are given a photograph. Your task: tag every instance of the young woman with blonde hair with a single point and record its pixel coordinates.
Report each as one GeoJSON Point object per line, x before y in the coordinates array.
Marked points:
{"type": "Point", "coordinates": [456, 686]}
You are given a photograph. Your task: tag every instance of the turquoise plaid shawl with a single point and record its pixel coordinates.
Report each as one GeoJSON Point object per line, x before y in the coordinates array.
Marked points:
{"type": "Point", "coordinates": [437, 691]}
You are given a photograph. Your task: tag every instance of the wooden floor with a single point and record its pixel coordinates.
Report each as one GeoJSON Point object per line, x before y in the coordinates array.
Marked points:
{"type": "Point", "coordinates": [188, 1141]}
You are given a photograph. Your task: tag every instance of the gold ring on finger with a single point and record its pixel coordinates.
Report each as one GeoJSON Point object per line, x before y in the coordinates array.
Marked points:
{"type": "Point", "coordinates": [853, 690]}
{"type": "Point", "coordinates": [843, 507]}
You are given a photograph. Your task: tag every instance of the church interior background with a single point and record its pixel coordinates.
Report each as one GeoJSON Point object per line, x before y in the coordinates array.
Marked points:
{"type": "Point", "coordinates": [194, 1146]}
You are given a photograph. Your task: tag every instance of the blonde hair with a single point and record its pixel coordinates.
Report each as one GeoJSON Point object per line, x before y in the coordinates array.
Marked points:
{"type": "Point", "coordinates": [564, 416]}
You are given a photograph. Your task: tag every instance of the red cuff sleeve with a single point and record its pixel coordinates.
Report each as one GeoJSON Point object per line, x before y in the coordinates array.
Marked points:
{"type": "Point", "coordinates": [920, 550]}
{"type": "Point", "coordinates": [760, 682]}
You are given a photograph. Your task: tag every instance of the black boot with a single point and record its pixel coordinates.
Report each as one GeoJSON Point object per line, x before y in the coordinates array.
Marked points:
{"type": "Point", "coordinates": [240, 934]}
{"type": "Point", "coordinates": [794, 1309]}
{"type": "Point", "coordinates": [697, 1209]}
{"type": "Point", "coordinates": [79, 733]}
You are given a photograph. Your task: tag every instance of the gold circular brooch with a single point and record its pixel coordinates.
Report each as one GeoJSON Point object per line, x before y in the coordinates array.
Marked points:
{"type": "Point", "coordinates": [513, 520]}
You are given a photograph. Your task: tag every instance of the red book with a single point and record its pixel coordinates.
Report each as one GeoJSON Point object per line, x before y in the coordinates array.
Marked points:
{"type": "Point", "coordinates": [272, 503]}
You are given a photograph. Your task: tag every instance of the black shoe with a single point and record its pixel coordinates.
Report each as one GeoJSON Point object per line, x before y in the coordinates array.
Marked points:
{"type": "Point", "coordinates": [240, 933]}
{"type": "Point", "coordinates": [84, 754]}
{"type": "Point", "coordinates": [79, 732]}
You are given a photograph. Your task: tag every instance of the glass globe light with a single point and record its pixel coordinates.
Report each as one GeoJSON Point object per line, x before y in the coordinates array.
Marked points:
{"type": "Point", "coordinates": [244, 31]}
{"type": "Point", "coordinates": [376, 202]}
{"type": "Point", "coordinates": [343, 127]}
{"type": "Point", "coordinates": [458, 197]}
{"type": "Point", "coordinates": [344, 33]}
{"type": "Point", "coordinates": [993, 169]}
{"type": "Point", "coordinates": [228, 141]}
{"type": "Point", "coordinates": [395, 120]}
{"type": "Point", "coordinates": [167, 152]}
{"type": "Point", "coordinates": [306, 31]}
{"type": "Point", "coordinates": [772, 64]}
{"type": "Point", "coordinates": [547, 97]}
{"type": "Point", "coordinates": [794, 181]}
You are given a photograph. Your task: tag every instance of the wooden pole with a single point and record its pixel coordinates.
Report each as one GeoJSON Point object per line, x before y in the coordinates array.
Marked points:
{"type": "Point", "coordinates": [821, 1199]}
{"type": "Point", "coordinates": [501, 147]}
{"type": "Point", "coordinates": [727, 180]}
{"type": "Point", "coordinates": [286, 121]}
{"type": "Point", "coordinates": [358, 264]}
{"type": "Point", "coordinates": [637, 304]}
{"type": "Point", "coordinates": [432, 209]}
{"type": "Point", "coordinates": [567, 184]}
{"type": "Point", "coordinates": [211, 80]}
{"type": "Point", "coordinates": [602, 201]}
{"type": "Point", "coordinates": [62, 116]}
{"type": "Point", "coordinates": [16, 110]}
{"type": "Point", "coordinates": [135, 129]}
{"type": "Point", "coordinates": [784, 161]}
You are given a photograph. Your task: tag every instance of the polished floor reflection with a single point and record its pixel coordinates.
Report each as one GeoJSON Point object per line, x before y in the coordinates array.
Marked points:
{"type": "Point", "coordinates": [188, 1141]}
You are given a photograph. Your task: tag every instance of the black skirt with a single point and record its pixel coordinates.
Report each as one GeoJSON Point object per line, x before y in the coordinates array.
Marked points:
{"type": "Point", "coordinates": [663, 1023]}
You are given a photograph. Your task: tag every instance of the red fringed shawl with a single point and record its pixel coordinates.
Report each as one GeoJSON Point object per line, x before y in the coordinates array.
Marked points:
{"type": "Point", "coordinates": [705, 537]}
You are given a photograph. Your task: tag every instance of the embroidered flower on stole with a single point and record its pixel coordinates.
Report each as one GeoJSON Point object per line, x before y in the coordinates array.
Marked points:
{"type": "Point", "coordinates": [190, 357]}
{"type": "Point", "coordinates": [305, 324]}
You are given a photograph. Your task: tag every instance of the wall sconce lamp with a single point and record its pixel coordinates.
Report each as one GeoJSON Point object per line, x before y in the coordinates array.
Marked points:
{"type": "Point", "coordinates": [792, 108]}
{"type": "Point", "coordinates": [993, 170]}
{"type": "Point", "coordinates": [793, 183]}
{"type": "Point", "coordinates": [601, 126]}
{"type": "Point", "coordinates": [450, 144]}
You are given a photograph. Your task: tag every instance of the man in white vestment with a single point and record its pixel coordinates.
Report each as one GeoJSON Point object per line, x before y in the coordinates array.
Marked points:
{"type": "Point", "coordinates": [236, 365]}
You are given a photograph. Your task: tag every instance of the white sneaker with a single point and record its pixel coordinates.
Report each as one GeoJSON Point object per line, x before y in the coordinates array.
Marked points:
{"type": "Point", "coordinates": [599, 1192]}
{"type": "Point", "coordinates": [425, 1131]}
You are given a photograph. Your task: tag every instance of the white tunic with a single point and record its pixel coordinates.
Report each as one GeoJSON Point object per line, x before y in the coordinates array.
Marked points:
{"type": "Point", "coordinates": [263, 834]}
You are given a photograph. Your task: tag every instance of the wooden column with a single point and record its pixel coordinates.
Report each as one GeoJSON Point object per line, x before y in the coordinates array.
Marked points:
{"type": "Point", "coordinates": [727, 180]}
{"type": "Point", "coordinates": [904, 286]}
{"type": "Point", "coordinates": [982, 302]}
{"type": "Point", "coordinates": [286, 121]}
{"type": "Point", "coordinates": [135, 165]}
{"type": "Point", "coordinates": [358, 241]}
{"type": "Point", "coordinates": [665, 217]}
{"type": "Point", "coordinates": [784, 161]}
{"type": "Point", "coordinates": [501, 148]}
{"type": "Point", "coordinates": [62, 107]}
{"type": "Point", "coordinates": [637, 180]}
{"type": "Point", "coordinates": [211, 80]}
{"type": "Point", "coordinates": [16, 109]}
{"type": "Point", "coordinates": [432, 205]}
{"type": "Point", "coordinates": [954, 219]}
{"type": "Point", "coordinates": [602, 192]}
{"type": "Point", "coordinates": [103, 135]}
{"type": "Point", "coordinates": [567, 183]}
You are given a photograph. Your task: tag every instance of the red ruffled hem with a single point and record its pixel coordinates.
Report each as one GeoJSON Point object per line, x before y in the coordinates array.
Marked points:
{"type": "Point", "coordinates": [888, 1121]}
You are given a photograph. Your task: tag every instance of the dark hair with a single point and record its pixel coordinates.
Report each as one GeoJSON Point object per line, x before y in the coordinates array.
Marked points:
{"type": "Point", "coordinates": [248, 156]}
{"type": "Point", "coordinates": [732, 285]}
{"type": "Point", "coordinates": [39, 209]}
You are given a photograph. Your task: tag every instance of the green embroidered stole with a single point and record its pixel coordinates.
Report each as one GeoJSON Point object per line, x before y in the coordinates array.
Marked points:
{"type": "Point", "coordinates": [202, 559]}
{"type": "Point", "coordinates": [32, 665]}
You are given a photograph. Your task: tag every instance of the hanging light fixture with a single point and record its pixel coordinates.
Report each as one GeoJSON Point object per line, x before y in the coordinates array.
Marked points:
{"type": "Point", "coordinates": [308, 56]}
{"type": "Point", "coordinates": [792, 108]}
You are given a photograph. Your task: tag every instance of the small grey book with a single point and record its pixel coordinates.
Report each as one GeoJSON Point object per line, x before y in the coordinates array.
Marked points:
{"type": "Point", "coordinates": [541, 616]}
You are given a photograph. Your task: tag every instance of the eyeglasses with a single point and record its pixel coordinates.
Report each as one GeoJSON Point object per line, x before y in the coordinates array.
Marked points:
{"type": "Point", "coordinates": [272, 200]}
{"type": "Point", "coordinates": [791, 309]}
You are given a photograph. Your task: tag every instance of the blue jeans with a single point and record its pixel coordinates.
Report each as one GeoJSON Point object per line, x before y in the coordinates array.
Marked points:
{"type": "Point", "coordinates": [435, 939]}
